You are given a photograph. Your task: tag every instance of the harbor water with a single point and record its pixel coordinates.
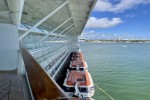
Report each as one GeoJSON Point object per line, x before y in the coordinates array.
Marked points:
{"type": "Point", "coordinates": [121, 69]}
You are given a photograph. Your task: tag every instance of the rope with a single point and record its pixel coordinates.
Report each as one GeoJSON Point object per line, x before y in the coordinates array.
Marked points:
{"type": "Point", "coordinates": [104, 92]}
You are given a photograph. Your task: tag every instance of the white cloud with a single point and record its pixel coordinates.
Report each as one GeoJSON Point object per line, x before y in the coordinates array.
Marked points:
{"type": "Point", "coordinates": [103, 22]}
{"type": "Point", "coordinates": [145, 12]}
{"type": "Point", "coordinates": [103, 35]}
{"type": "Point", "coordinates": [115, 34]}
{"type": "Point", "coordinates": [130, 15]}
{"type": "Point", "coordinates": [92, 34]}
{"type": "Point", "coordinates": [97, 35]}
{"type": "Point", "coordinates": [105, 5]}
{"type": "Point", "coordinates": [91, 31]}
{"type": "Point", "coordinates": [89, 34]}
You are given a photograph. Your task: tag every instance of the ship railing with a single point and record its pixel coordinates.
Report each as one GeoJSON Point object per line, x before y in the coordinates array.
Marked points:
{"type": "Point", "coordinates": [50, 56]}
{"type": "Point", "coordinates": [39, 80]}
{"type": "Point", "coordinates": [57, 71]}
{"type": "Point", "coordinates": [36, 45]}
{"type": "Point", "coordinates": [53, 67]}
{"type": "Point", "coordinates": [41, 49]}
{"type": "Point", "coordinates": [45, 48]}
{"type": "Point", "coordinates": [43, 53]}
{"type": "Point", "coordinates": [47, 64]}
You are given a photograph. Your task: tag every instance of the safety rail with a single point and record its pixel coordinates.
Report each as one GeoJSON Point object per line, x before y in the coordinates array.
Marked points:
{"type": "Point", "coordinates": [43, 53]}
{"type": "Point", "coordinates": [47, 55]}
{"type": "Point", "coordinates": [41, 49]}
{"type": "Point", "coordinates": [57, 70]}
{"type": "Point", "coordinates": [56, 66]}
{"type": "Point", "coordinates": [54, 61]}
{"type": "Point", "coordinates": [36, 45]}
{"type": "Point", "coordinates": [45, 48]}
{"type": "Point", "coordinates": [42, 85]}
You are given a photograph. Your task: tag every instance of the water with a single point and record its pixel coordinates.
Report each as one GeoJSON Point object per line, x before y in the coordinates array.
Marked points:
{"type": "Point", "coordinates": [122, 70]}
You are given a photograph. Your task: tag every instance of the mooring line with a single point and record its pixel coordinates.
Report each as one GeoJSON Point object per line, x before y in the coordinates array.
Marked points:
{"type": "Point", "coordinates": [104, 92]}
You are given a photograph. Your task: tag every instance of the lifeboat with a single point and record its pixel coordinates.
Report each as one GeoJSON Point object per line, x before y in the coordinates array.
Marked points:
{"type": "Point", "coordinates": [79, 83]}
{"type": "Point", "coordinates": [77, 56]}
{"type": "Point", "coordinates": [77, 61]}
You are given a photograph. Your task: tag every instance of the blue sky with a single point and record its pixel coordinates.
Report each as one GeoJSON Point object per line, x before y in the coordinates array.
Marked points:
{"type": "Point", "coordinates": [127, 19]}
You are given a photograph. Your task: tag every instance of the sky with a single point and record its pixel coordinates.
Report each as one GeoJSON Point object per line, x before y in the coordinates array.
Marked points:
{"type": "Point", "coordinates": [113, 19]}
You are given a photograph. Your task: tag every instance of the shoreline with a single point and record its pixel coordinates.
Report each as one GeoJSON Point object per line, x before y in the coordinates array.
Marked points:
{"type": "Point", "coordinates": [116, 41]}
{"type": "Point", "coordinates": [119, 42]}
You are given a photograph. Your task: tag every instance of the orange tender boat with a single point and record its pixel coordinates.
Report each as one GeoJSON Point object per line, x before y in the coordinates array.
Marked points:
{"type": "Point", "coordinates": [77, 62]}
{"type": "Point", "coordinates": [79, 83]}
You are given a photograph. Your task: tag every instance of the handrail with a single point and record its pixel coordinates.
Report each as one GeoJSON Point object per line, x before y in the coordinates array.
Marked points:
{"type": "Point", "coordinates": [43, 86]}
{"type": "Point", "coordinates": [49, 52]}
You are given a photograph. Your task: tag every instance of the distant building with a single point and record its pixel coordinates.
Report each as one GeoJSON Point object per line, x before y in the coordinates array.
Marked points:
{"type": "Point", "coordinates": [119, 38]}
{"type": "Point", "coordinates": [81, 39]}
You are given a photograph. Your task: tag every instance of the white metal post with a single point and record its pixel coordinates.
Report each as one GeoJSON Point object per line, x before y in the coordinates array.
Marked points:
{"type": "Point", "coordinates": [42, 20]}
{"type": "Point", "coordinates": [62, 31]}
{"type": "Point", "coordinates": [21, 3]}
{"type": "Point", "coordinates": [67, 32]}
{"type": "Point", "coordinates": [55, 29]}
{"type": "Point", "coordinates": [68, 35]}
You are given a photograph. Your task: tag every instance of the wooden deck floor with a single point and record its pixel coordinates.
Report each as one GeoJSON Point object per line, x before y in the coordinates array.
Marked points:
{"type": "Point", "coordinates": [12, 87]}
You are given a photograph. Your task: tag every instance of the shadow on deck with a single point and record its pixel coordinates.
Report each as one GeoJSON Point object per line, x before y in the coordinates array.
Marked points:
{"type": "Point", "coordinates": [13, 86]}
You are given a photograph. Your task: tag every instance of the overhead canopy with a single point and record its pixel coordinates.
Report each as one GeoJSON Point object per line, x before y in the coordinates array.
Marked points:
{"type": "Point", "coordinates": [34, 10]}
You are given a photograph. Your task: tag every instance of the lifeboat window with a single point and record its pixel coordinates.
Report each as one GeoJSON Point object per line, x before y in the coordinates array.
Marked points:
{"type": "Point", "coordinates": [74, 68]}
{"type": "Point", "coordinates": [71, 89]}
{"type": "Point", "coordinates": [81, 69]}
{"type": "Point", "coordinates": [79, 79]}
{"type": "Point", "coordinates": [83, 89]}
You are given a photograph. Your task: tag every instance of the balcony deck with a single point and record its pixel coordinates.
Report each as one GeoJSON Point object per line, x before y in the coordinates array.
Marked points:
{"type": "Point", "coordinates": [13, 87]}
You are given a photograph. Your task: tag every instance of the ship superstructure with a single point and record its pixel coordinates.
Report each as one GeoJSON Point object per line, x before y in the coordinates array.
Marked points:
{"type": "Point", "coordinates": [49, 30]}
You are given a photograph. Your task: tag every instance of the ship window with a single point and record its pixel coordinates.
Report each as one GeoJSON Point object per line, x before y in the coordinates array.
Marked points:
{"type": "Point", "coordinates": [71, 89]}
{"type": "Point", "coordinates": [79, 79]}
{"type": "Point", "coordinates": [83, 89]}
{"type": "Point", "coordinates": [81, 69]}
{"type": "Point", "coordinates": [74, 68]}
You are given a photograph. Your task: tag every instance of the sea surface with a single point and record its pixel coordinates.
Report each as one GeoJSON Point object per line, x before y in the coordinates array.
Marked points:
{"type": "Point", "coordinates": [121, 69]}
